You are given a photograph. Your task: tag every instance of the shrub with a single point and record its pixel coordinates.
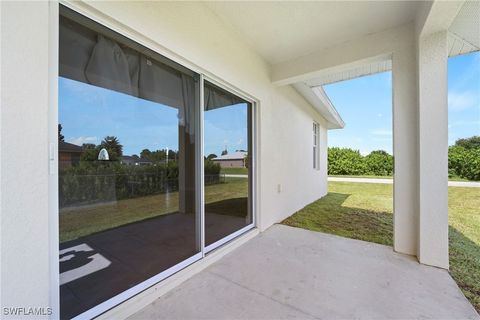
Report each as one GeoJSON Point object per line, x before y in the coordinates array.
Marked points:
{"type": "Point", "coordinates": [345, 161]}
{"type": "Point", "coordinates": [97, 181]}
{"type": "Point", "coordinates": [464, 163]}
{"type": "Point", "coordinates": [211, 172]}
{"type": "Point", "coordinates": [379, 163]}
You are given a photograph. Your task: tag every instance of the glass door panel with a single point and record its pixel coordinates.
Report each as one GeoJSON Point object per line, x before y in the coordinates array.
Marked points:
{"type": "Point", "coordinates": [227, 145]}
{"type": "Point", "coordinates": [128, 120]}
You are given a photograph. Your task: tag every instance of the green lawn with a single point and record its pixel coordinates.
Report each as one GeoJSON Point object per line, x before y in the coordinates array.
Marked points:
{"type": "Point", "coordinates": [234, 170]}
{"type": "Point", "coordinates": [453, 178]}
{"type": "Point", "coordinates": [360, 176]}
{"type": "Point", "coordinates": [364, 211]}
{"type": "Point", "coordinates": [87, 220]}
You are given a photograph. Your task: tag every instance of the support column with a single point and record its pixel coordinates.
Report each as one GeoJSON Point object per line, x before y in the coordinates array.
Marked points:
{"type": "Point", "coordinates": [405, 148]}
{"type": "Point", "coordinates": [433, 149]}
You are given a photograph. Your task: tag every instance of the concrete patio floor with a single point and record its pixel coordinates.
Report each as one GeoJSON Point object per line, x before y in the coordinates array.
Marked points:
{"type": "Point", "coordinates": [287, 272]}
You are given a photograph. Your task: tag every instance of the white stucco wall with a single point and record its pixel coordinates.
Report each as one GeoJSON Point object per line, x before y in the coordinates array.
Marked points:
{"type": "Point", "coordinates": [25, 230]}
{"type": "Point", "coordinates": [184, 32]}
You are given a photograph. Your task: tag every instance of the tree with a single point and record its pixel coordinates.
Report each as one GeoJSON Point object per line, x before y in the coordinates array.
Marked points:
{"type": "Point", "coordinates": [61, 137]}
{"type": "Point", "coordinates": [464, 163]}
{"type": "Point", "coordinates": [90, 154]}
{"type": "Point", "coordinates": [379, 163]}
{"type": "Point", "coordinates": [224, 152]}
{"type": "Point", "coordinates": [159, 155]}
{"type": "Point", "coordinates": [211, 156]}
{"type": "Point", "coordinates": [113, 146]}
{"type": "Point", "coordinates": [469, 143]}
{"type": "Point", "coordinates": [145, 154]}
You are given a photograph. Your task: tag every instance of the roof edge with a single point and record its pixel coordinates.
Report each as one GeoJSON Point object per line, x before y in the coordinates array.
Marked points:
{"type": "Point", "coordinates": [321, 102]}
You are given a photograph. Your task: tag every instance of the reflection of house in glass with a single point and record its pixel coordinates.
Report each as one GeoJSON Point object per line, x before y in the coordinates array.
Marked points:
{"type": "Point", "coordinates": [69, 154]}
{"type": "Point", "coordinates": [233, 160]}
{"type": "Point", "coordinates": [135, 161]}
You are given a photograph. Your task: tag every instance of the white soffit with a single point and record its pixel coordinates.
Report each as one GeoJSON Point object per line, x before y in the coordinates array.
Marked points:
{"type": "Point", "coordinates": [320, 101]}
{"type": "Point", "coordinates": [464, 33]}
{"type": "Point", "coordinates": [356, 72]}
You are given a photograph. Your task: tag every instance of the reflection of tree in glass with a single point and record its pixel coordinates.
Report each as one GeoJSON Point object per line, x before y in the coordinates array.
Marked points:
{"type": "Point", "coordinates": [211, 156]}
{"type": "Point", "coordinates": [111, 143]}
{"type": "Point", "coordinates": [159, 156]}
{"type": "Point", "coordinates": [113, 146]}
{"type": "Point", "coordinates": [61, 137]}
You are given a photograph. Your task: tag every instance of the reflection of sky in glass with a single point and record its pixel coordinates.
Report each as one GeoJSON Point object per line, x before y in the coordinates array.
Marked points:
{"type": "Point", "coordinates": [89, 113]}
{"type": "Point", "coordinates": [226, 126]}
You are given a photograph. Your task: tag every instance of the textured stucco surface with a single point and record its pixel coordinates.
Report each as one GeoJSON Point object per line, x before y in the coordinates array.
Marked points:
{"type": "Point", "coordinates": [287, 272]}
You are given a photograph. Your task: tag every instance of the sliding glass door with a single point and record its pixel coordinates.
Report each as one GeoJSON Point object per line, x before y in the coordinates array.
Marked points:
{"type": "Point", "coordinates": [228, 147]}
{"type": "Point", "coordinates": [130, 155]}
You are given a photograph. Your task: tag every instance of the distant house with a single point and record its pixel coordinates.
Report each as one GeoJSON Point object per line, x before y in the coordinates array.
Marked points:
{"type": "Point", "coordinates": [232, 160]}
{"type": "Point", "coordinates": [135, 161]}
{"type": "Point", "coordinates": [69, 154]}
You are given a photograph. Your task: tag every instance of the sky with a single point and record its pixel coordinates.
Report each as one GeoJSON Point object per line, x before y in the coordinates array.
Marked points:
{"type": "Point", "coordinates": [88, 114]}
{"type": "Point", "coordinates": [365, 105]}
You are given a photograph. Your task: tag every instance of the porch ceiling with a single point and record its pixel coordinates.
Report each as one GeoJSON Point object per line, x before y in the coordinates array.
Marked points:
{"type": "Point", "coordinates": [281, 31]}
{"type": "Point", "coordinates": [287, 273]}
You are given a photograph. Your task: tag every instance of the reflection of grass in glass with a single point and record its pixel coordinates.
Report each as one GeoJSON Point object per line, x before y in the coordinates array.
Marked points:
{"type": "Point", "coordinates": [234, 170]}
{"type": "Point", "coordinates": [85, 221]}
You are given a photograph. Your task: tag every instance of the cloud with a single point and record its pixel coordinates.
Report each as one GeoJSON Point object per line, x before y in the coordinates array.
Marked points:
{"type": "Point", "coordinates": [458, 101]}
{"type": "Point", "coordinates": [81, 140]}
{"type": "Point", "coordinates": [381, 132]}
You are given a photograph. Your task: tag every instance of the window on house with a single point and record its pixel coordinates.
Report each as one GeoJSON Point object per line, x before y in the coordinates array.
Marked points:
{"type": "Point", "coordinates": [316, 153]}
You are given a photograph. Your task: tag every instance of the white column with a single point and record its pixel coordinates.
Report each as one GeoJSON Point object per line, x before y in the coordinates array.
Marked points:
{"type": "Point", "coordinates": [433, 149]}
{"type": "Point", "coordinates": [405, 137]}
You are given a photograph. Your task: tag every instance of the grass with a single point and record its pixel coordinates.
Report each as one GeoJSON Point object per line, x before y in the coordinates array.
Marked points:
{"type": "Point", "coordinates": [84, 221]}
{"type": "Point", "coordinates": [452, 178]}
{"type": "Point", "coordinates": [234, 170]}
{"type": "Point", "coordinates": [360, 176]}
{"type": "Point", "coordinates": [364, 211]}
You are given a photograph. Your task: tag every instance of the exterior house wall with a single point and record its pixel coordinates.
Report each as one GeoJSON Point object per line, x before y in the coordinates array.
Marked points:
{"type": "Point", "coordinates": [25, 100]}
{"type": "Point", "coordinates": [190, 32]}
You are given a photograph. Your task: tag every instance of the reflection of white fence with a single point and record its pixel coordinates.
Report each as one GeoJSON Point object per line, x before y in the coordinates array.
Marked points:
{"type": "Point", "coordinates": [213, 179]}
